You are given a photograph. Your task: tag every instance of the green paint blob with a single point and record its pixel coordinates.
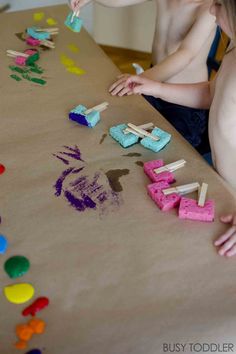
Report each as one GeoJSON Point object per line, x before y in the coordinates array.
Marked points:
{"type": "Point", "coordinates": [32, 58]}
{"type": "Point", "coordinates": [15, 77]}
{"type": "Point", "coordinates": [17, 69]}
{"type": "Point", "coordinates": [16, 266]}
{"type": "Point", "coordinates": [36, 69]}
{"type": "Point", "coordinates": [38, 81]}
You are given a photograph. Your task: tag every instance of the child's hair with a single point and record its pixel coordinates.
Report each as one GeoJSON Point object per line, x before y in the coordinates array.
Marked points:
{"type": "Point", "coordinates": [230, 6]}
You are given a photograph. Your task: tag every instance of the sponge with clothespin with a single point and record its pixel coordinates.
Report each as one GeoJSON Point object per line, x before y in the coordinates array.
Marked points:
{"type": "Point", "coordinates": [28, 57]}
{"type": "Point", "coordinates": [129, 134]}
{"type": "Point", "coordinates": [88, 117]}
{"type": "Point", "coordinates": [42, 33]}
{"type": "Point", "coordinates": [200, 209]}
{"type": "Point", "coordinates": [164, 202]}
{"type": "Point", "coordinates": [73, 21]}
{"type": "Point", "coordinates": [157, 171]}
{"type": "Point", "coordinates": [156, 145]}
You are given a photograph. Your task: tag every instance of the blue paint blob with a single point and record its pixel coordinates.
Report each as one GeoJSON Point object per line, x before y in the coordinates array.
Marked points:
{"type": "Point", "coordinates": [34, 351]}
{"type": "Point", "coordinates": [3, 244]}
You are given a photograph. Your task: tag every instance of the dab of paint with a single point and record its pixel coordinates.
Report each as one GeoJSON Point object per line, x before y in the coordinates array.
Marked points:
{"type": "Point", "coordinates": [24, 332]}
{"type": "Point", "coordinates": [17, 69]}
{"type": "Point", "coordinates": [75, 70]}
{"type": "Point", "coordinates": [38, 81]}
{"type": "Point", "coordinates": [113, 178]}
{"type": "Point", "coordinates": [51, 22]}
{"type": "Point", "coordinates": [34, 351]}
{"type": "Point", "coordinates": [38, 16]}
{"type": "Point", "coordinates": [15, 77]}
{"type": "Point", "coordinates": [36, 69]}
{"type": "Point", "coordinates": [102, 138]}
{"type": "Point", "coordinates": [38, 305]}
{"type": "Point", "coordinates": [21, 36]}
{"type": "Point", "coordinates": [133, 154]}
{"type": "Point", "coordinates": [19, 293]}
{"type": "Point", "coordinates": [3, 244]}
{"type": "Point", "coordinates": [73, 48]}
{"type": "Point", "coordinates": [37, 325]}
{"type": "Point", "coordinates": [21, 344]}
{"type": "Point", "coordinates": [2, 169]}
{"type": "Point", "coordinates": [66, 61]}
{"type": "Point", "coordinates": [139, 163]}
{"type": "Point", "coordinates": [16, 266]}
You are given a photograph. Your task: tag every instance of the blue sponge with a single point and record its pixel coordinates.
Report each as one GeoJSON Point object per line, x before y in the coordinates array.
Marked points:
{"type": "Point", "coordinates": [90, 120]}
{"type": "Point", "coordinates": [156, 145]}
{"type": "Point", "coordinates": [75, 25]}
{"type": "Point", "coordinates": [125, 140]}
{"type": "Point", "coordinates": [31, 31]}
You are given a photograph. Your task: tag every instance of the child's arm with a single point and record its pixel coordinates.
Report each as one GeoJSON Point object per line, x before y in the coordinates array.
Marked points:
{"type": "Point", "coordinates": [78, 4]}
{"type": "Point", "coordinates": [190, 95]}
{"type": "Point", "coordinates": [189, 48]}
{"type": "Point", "coordinates": [227, 241]}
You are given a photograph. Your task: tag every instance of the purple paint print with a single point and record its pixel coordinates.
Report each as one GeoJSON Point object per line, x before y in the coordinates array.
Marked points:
{"type": "Point", "coordinates": [74, 153]}
{"type": "Point", "coordinates": [59, 182]}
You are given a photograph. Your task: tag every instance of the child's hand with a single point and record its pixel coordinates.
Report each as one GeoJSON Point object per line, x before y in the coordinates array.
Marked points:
{"type": "Point", "coordinates": [119, 87]}
{"type": "Point", "coordinates": [137, 85]}
{"type": "Point", "coordinates": [227, 241]}
{"type": "Point", "coordinates": [77, 4]}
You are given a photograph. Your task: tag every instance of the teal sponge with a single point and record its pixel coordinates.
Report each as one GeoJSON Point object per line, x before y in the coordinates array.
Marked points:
{"type": "Point", "coordinates": [156, 145]}
{"type": "Point", "coordinates": [75, 25]}
{"type": "Point", "coordinates": [125, 140]}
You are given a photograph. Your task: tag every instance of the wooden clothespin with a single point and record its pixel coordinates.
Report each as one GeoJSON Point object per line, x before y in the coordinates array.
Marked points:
{"type": "Point", "coordinates": [14, 54]}
{"type": "Point", "coordinates": [184, 189]}
{"type": "Point", "coordinates": [51, 31]}
{"type": "Point", "coordinates": [47, 43]}
{"type": "Point", "coordinates": [171, 167]}
{"type": "Point", "coordinates": [75, 14]}
{"type": "Point", "coordinates": [141, 132]}
{"type": "Point", "coordinates": [202, 193]}
{"type": "Point", "coordinates": [146, 126]}
{"type": "Point", "coordinates": [99, 108]}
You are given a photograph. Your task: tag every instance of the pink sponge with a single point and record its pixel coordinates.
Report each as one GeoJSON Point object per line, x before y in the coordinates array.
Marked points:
{"type": "Point", "coordinates": [32, 41]}
{"type": "Point", "coordinates": [157, 177]}
{"type": "Point", "coordinates": [20, 60]}
{"type": "Point", "coordinates": [164, 202]}
{"type": "Point", "coordinates": [189, 209]}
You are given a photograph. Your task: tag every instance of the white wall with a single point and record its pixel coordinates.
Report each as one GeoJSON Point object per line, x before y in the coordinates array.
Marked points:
{"type": "Point", "coordinates": [17, 5]}
{"type": "Point", "coordinates": [128, 27]}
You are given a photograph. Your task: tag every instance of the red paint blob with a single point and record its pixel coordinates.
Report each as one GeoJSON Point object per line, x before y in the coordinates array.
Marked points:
{"type": "Point", "coordinates": [38, 305]}
{"type": "Point", "coordinates": [2, 169]}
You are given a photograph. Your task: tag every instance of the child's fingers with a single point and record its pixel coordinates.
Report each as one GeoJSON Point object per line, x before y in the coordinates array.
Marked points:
{"type": "Point", "coordinates": [122, 76]}
{"type": "Point", "coordinates": [231, 252]}
{"type": "Point", "coordinates": [136, 79]}
{"type": "Point", "coordinates": [124, 91]}
{"type": "Point", "coordinates": [227, 245]}
{"type": "Point", "coordinates": [226, 218]}
{"type": "Point", "coordinates": [117, 83]}
{"type": "Point", "coordinates": [118, 88]}
{"type": "Point", "coordinates": [225, 236]}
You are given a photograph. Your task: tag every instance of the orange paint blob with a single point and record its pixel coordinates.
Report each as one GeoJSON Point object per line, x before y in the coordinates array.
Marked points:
{"type": "Point", "coordinates": [21, 344]}
{"type": "Point", "coordinates": [24, 332]}
{"type": "Point", "coordinates": [37, 325]}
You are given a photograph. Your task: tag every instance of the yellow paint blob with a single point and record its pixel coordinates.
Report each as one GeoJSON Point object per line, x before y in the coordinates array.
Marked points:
{"type": "Point", "coordinates": [73, 48]}
{"type": "Point", "coordinates": [66, 61]}
{"type": "Point", "coordinates": [75, 70]}
{"type": "Point", "coordinates": [38, 16]}
{"type": "Point", "coordinates": [51, 22]}
{"type": "Point", "coordinates": [19, 293]}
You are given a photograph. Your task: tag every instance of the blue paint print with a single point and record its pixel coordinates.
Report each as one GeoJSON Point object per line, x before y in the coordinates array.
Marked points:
{"type": "Point", "coordinates": [3, 244]}
{"type": "Point", "coordinates": [74, 154]}
{"type": "Point", "coordinates": [34, 351]}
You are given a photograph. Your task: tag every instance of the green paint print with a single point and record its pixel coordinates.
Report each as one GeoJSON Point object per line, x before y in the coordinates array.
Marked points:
{"type": "Point", "coordinates": [15, 77]}
{"type": "Point", "coordinates": [16, 266]}
{"type": "Point", "coordinates": [38, 81]}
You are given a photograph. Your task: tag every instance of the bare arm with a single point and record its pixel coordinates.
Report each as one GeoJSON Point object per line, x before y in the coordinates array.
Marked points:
{"type": "Point", "coordinates": [78, 4]}
{"type": "Point", "coordinates": [189, 48]}
{"type": "Point", "coordinates": [191, 95]}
